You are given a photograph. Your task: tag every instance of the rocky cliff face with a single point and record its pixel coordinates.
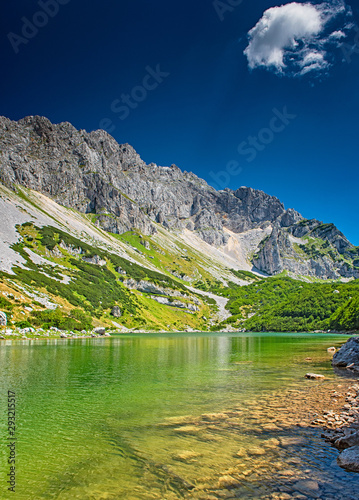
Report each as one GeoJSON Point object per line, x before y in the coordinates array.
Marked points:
{"type": "Point", "coordinates": [92, 173]}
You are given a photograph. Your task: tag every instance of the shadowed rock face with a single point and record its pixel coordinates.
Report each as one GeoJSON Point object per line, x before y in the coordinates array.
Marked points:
{"type": "Point", "coordinates": [92, 173]}
{"type": "Point", "coordinates": [348, 355]}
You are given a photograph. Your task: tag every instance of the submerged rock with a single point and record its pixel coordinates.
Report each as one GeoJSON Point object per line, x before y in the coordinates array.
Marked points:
{"type": "Point", "coordinates": [256, 450]}
{"type": "Point", "coordinates": [186, 456]}
{"type": "Point", "coordinates": [349, 459]}
{"type": "Point", "coordinates": [308, 487]}
{"type": "Point", "coordinates": [228, 482]}
{"type": "Point", "coordinates": [187, 429]}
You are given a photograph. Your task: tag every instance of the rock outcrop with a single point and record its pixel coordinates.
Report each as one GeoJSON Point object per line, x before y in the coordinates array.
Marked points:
{"type": "Point", "coordinates": [92, 173]}
{"type": "Point", "coordinates": [3, 319]}
{"type": "Point", "coordinates": [348, 355]}
{"type": "Point", "coordinates": [342, 429]}
{"type": "Point", "coordinates": [116, 312]}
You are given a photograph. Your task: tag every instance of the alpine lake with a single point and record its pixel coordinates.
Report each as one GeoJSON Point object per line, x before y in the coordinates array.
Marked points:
{"type": "Point", "coordinates": [171, 416]}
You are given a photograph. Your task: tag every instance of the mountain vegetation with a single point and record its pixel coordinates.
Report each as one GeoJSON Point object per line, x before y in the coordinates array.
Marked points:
{"type": "Point", "coordinates": [92, 236]}
{"type": "Point", "coordinates": [282, 304]}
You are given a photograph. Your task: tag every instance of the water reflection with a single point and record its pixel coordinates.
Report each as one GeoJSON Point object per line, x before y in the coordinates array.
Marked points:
{"type": "Point", "coordinates": [94, 408]}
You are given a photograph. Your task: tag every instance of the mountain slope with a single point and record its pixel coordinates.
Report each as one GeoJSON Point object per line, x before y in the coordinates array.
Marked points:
{"type": "Point", "coordinates": [55, 257]}
{"type": "Point", "coordinates": [92, 174]}
{"type": "Point", "coordinates": [58, 269]}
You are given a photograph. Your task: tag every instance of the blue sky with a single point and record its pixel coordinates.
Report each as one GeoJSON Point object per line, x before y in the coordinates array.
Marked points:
{"type": "Point", "coordinates": [281, 117]}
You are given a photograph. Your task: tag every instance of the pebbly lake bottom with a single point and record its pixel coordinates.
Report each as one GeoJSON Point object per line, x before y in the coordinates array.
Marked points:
{"type": "Point", "coordinates": [171, 416]}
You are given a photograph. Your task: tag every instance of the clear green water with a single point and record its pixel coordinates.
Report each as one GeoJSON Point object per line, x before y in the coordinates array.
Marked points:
{"type": "Point", "coordinates": [93, 415]}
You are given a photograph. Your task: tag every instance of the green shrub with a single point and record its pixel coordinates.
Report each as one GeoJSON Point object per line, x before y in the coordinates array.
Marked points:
{"type": "Point", "coordinates": [76, 320]}
{"type": "Point", "coordinates": [285, 304]}
{"type": "Point", "coordinates": [5, 304]}
{"type": "Point", "coordinates": [23, 324]}
{"type": "Point", "coordinates": [347, 316]}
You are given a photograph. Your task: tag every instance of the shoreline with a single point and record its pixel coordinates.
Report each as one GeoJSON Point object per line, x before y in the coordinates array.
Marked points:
{"type": "Point", "coordinates": [67, 335]}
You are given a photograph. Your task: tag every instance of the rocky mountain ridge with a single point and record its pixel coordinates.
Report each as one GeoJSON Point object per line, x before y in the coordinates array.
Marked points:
{"type": "Point", "coordinates": [93, 174]}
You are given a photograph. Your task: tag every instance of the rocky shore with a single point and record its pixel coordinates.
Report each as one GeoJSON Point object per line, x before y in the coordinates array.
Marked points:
{"type": "Point", "coordinates": [342, 428]}
{"type": "Point", "coordinates": [281, 457]}
{"type": "Point", "coordinates": [53, 332]}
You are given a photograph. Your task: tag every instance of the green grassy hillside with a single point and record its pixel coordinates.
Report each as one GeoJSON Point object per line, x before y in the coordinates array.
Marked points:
{"type": "Point", "coordinates": [285, 304]}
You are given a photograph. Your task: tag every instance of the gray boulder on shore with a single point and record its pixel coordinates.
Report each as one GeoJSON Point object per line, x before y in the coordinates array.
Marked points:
{"type": "Point", "coordinates": [349, 459]}
{"type": "Point", "coordinates": [347, 441]}
{"type": "Point", "coordinates": [100, 330]}
{"type": "Point", "coordinates": [348, 355]}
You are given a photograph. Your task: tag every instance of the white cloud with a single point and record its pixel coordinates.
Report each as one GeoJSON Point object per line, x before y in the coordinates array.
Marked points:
{"type": "Point", "coordinates": [292, 39]}
{"type": "Point", "coordinates": [337, 35]}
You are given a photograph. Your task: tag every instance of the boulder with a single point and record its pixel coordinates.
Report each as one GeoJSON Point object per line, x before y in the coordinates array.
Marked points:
{"type": "Point", "coordinates": [96, 259]}
{"type": "Point", "coordinates": [314, 376]}
{"type": "Point", "coordinates": [3, 319]}
{"type": "Point", "coordinates": [349, 459]}
{"type": "Point", "coordinates": [116, 312]}
{"type": "Point", "coordinates": [25, 330]}
{"type": "Point", "coordinates": [63, 335]}
{"type": "Point", "coordinates": [347, 441]}
{"type": "Point", "coordinates": [348, 354]}
{"type": "Point", "coordinates": [100, 330]}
